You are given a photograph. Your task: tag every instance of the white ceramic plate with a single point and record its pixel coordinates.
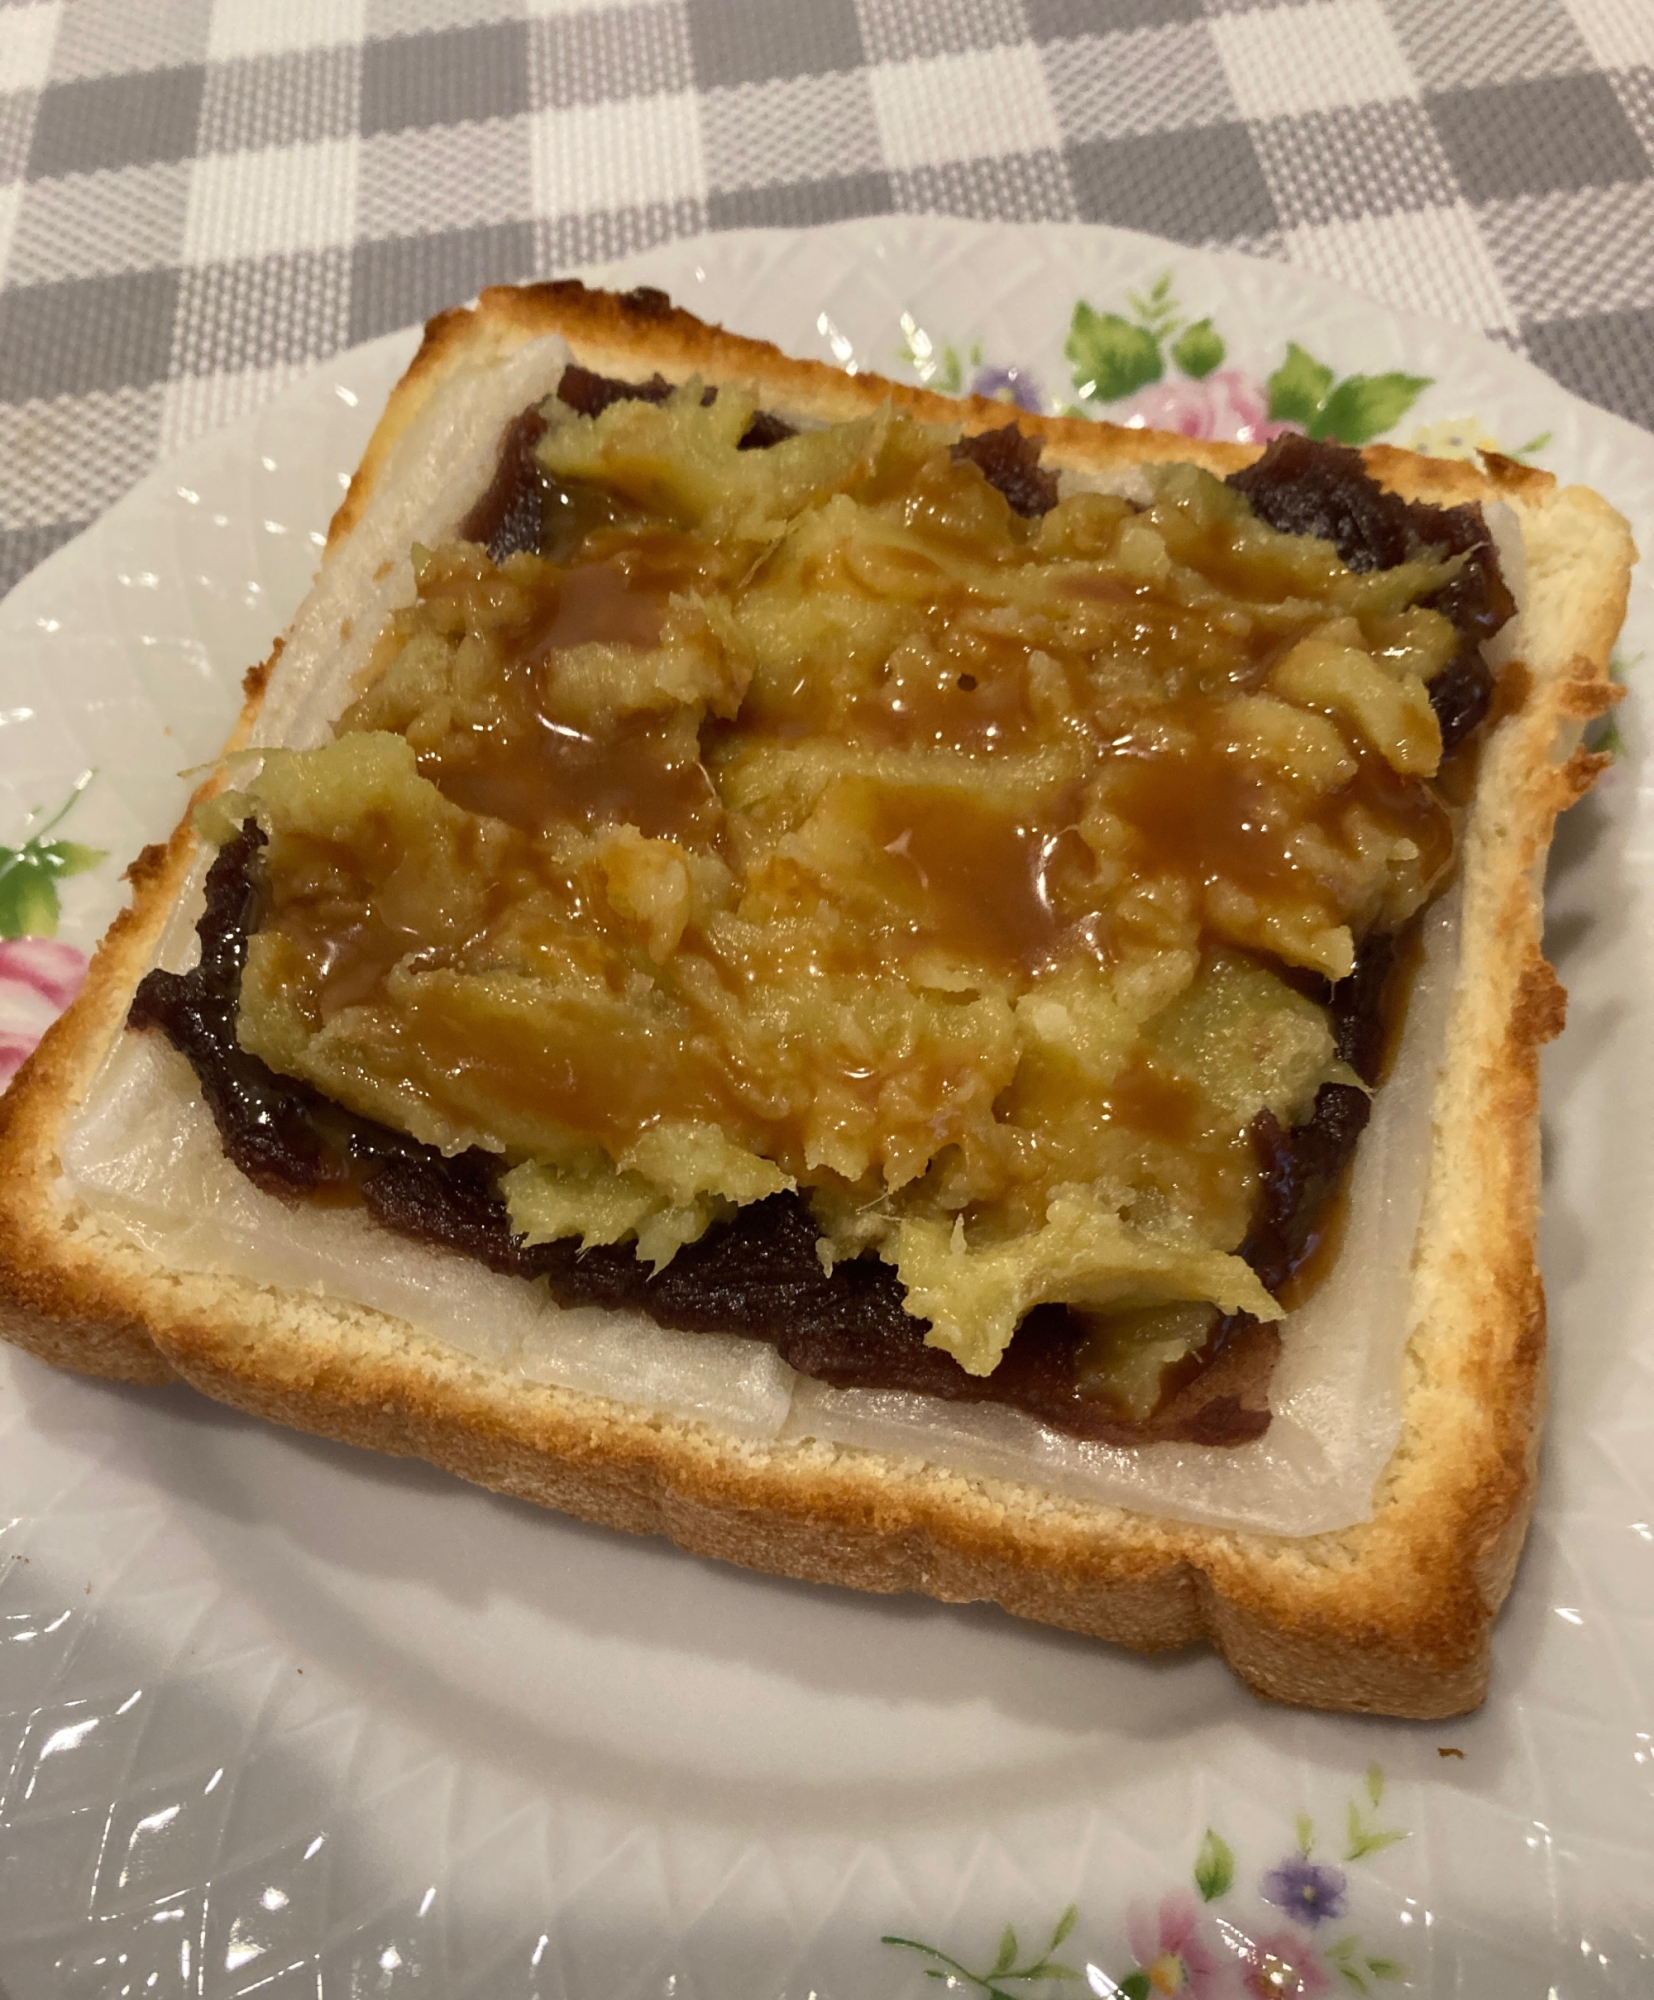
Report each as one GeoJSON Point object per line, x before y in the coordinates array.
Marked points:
{"type": "Point", "coordinates": [285, 1719]}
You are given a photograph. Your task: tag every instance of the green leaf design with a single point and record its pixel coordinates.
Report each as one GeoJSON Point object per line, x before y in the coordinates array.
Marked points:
{"type": "Point", "coordinates": [1214, 1866]}
{"type": "Point", "coordinates": [1110, 357]}
{"type": "Point", "coordinates": [1305, 1829]}
{"type": "Point", "coordinates": [29, 874]}
{"type": "Point", "coordinates": [1607, 739]}
{"type": "Point", "coordinates": [1158, 312]}
{"type": "Point", "coordinates": [28, 897]}
{"type": "Point", "coordinates": [1364, 1840]}
{"type": "Point", "coordinates": [69, 857]}
{"type": "Point", "coordinates": [1004, 1967]}
{"type": "Point", "coordinates": [1355, 411]}
{"type": "Point", "coordinates": [1298, 388]}
{"type": "Point", "coordinates": [1363, 407]}
{"type": "Point", "coordinates": [914, 346]}
{"type": "Point", "coordinates": [1363, 1844]}
{"type": "Point", "coordinates": [1375, 1783]}
{"type": "Point", "coordinates": [1199, 349]}
{"type": "Point", "coordinates": [949, 378]}
{"type": "Point", "coordinates": [939, 365]}
{"type": "Point", "coordinates": [1386, 1968]}
{"type": "Point", "coordinates": [1136, 1986]}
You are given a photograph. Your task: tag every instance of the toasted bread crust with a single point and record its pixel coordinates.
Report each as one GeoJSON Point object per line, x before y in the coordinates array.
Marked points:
{"type": "Point", "coordinates": [1390, 1616]}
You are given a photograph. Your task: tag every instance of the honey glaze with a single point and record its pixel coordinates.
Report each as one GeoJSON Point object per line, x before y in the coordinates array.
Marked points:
{"type": "Point", "coordinates": [350, 959]}
{"type": "Point", "coordinates": [607, 1088]}
{"type": "Point", "coordinates": [618, 593]}
{"type": "Point", "coordinates": [1199, 807]}
{"type": "Point", "coordinates": [983, 878]}
{"type": "Point", "coordinates": [329, 921]}
{"type": "Point", "coordinates": [1147, 1101]}
{"type": "Point", "coordinates": [970, 694]}
{"type": "Point", "coordinates": [543, 770]}
{"type": "Point", "coordinates": [602, 601]}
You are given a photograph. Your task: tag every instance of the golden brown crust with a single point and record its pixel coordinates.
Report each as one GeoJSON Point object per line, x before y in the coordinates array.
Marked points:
{"type": "Point", "coordinates": [59, 1305]}
{"type": "Point", "coordinates": [48, 1303]}
{"type": "Point", "coordinates": [1390, 1616]}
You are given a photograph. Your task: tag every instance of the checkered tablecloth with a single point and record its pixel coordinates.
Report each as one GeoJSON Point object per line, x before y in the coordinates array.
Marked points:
{"type": "Point", "coordinates": [200, 198]}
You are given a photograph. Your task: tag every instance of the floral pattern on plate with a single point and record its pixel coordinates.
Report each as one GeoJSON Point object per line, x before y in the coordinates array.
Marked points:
{"type": "Point", "coordinates": [1187, 1945]}
{"type": "Point", "coordinates": [1151, 367]}
{"type": "Point", "coordinates": [39, 975]}
{"type": "Point", "coordinates": [1154, 368]}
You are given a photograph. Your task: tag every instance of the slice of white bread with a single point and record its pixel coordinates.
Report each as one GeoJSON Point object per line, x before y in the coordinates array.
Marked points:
{"type": "Point", "coordinates": [1391, 1614]}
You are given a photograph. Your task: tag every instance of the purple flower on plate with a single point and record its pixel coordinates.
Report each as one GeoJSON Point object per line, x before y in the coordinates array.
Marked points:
{"type": "Point", "coordinates": [1307, 1892]}
{"type": "Point", "coordinates": [1009, 385]}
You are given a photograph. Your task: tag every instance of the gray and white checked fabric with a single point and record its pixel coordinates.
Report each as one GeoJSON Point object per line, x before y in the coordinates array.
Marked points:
{"type": "Point", "coordinates": [200, 198]}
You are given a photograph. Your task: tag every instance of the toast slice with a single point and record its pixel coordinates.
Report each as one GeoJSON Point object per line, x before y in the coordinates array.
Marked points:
{"type": "Point", "coordinates": [1388, 1614]}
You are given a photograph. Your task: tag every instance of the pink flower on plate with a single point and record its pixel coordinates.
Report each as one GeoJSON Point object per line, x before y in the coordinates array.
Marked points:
{"type": "Point", "coordinates": [1282, 1966]}
{"type": "Point", "coordinates": [1169, 1948]}
{"type": "Point", "coordinates": [38, 979]}
{"type": "Point", "coordinates": [1225, 404]}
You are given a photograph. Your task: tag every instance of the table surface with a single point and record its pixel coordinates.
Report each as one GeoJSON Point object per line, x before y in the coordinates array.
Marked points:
{"type": "Point", "coordinates": [201, 198]}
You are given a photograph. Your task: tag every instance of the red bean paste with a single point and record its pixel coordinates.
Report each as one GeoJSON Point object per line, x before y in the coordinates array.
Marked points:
{"type": "Point", "coordinates": [1304, 486]}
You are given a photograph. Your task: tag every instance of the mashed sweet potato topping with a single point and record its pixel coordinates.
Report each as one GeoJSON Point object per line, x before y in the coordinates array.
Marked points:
{"type": "Point", "coordinates": [805, 818]}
